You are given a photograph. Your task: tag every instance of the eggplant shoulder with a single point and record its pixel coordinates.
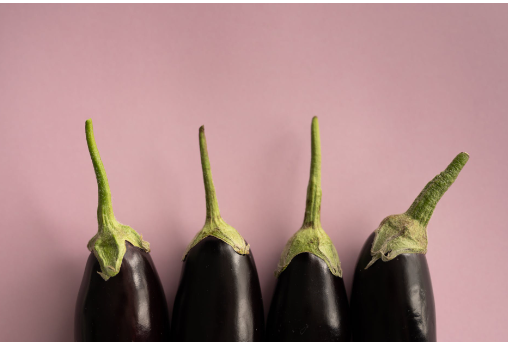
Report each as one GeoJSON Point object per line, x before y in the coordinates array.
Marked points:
{"type": "Point", "coordinates": [392, 301]}
{"type": "Point", "coordinates": [130, 306]}
{"type": "Point", "coordinates": [219, 297]}
{"type": "Point", "coordinates": [309, 303]}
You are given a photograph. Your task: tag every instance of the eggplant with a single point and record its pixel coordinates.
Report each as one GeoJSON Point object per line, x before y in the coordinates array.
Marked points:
{"type": "Point", "coordinates": [121, 297]}
{"type": "Point", "coordinates": [219, 296]}
{"type": "Point", "coordinates": [310, 301]}
{"type": "Point", "coordinates": [392, 298]}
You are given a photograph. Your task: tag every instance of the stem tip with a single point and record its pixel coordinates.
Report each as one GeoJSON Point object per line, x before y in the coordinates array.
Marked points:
{"type": "Point", "coordinates": [88, 125]}
{"type": "Point", "coordinates": [462, 157]}
{"type": "Point", "coordinates": [424, 205]}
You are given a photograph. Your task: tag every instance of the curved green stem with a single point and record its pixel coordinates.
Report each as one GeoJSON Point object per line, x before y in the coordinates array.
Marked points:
{"type": "Point", "coordinates": [424, 205]}
{"type": "Point", "coordinates": [105, 207]}
{"type": "Point", "coordinates": [108, 245]}
{"type": "Point", "coordinates": [407, 232]}
{"type": "Point", "coordinates": [212, 206]}
{"type": "Point", "coordinates": [313, 206]}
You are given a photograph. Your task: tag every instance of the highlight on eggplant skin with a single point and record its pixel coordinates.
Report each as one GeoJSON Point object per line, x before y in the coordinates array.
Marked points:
{"type": "Point", "coordinates": [392, 297]}
{"type": "Point", "coordinates": [219, 296]}
{"type": "Point", "coordinates": [310, 302]}
{"type": "Point", "coordinates": [121, 297]}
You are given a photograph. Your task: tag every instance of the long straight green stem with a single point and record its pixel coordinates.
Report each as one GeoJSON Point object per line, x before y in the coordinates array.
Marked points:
{"type": "Point", "coordinates": [313, 206]}
{"type": "Point", "coordinates": [212, 206]}
{"type": "Point", "coordinates": [311, 238]}
{"type": "Point", "coordinates": [214, 225]}
{"type": "Point", "coordinates": [105, 207]}
{"type": "Point", "coordinates": [424, 205]}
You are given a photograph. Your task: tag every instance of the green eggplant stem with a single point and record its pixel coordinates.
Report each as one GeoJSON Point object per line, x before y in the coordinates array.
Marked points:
{"type": "Point", "coordinates": [105, 207]}
{"type": "Point", "coordinates": [214, 224]}
{"type": "Point", "coordinates": [212, 205]}
{"type": "Point", "coordinates": [108, 245]}
{"type": "Point", "coordinates": [407, 233]}
{"type": "Point", "coordinates": [311, 237]}
{"type": "Point", "coordinates": [424, 205]}
{"type": "Point", "coordinates": [313, 204]}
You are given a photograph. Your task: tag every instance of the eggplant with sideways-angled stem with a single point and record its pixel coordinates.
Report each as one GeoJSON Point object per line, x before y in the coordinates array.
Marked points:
{"type": "Point", "coordinates": [392, 298]}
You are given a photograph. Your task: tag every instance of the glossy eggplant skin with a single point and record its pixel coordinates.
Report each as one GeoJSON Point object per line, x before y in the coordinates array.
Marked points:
{"type": "Point", "coordinates": [130, 306]}
{"type": "Point", "coordinates": [392, 301]}
{"type": "Point", "coordinates": [219, 297]}
{"type": "Point", "coordinates": [309, 304]}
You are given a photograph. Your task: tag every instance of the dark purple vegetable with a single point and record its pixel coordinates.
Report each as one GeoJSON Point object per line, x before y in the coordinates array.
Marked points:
{"type": "Point", "coordinates": [392, 298]}
{"type": "Point", "coordinates": [219, 297]}
{"type": "Point", "coordinates": [310, 302]}
{"type": "Point", "coordinates": [121, 297]}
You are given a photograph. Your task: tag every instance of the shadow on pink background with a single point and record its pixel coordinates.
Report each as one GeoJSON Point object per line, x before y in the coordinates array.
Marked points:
{"type": "Point", "coordinates": [399, 91]}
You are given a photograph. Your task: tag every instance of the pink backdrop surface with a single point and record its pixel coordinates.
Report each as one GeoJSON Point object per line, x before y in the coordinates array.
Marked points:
{"type": "Point", "coordinates": [399, 91]}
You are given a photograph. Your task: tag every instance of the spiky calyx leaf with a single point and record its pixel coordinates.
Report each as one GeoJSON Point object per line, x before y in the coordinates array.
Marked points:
{"type": "Point", "coordinates": [214, 224]}
{"type": "Point", "coordinates": [311, 237]}
{"type": "Point", "coordinates": [313, 240]}
{"type": "Point", "coordinates": [108, 245]}
{"type": "Point", "coordinates": [407, 233]}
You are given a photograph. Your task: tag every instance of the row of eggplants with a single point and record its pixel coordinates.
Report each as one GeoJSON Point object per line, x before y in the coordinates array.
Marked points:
{"type": "Point", "coordinates": [219, 297]}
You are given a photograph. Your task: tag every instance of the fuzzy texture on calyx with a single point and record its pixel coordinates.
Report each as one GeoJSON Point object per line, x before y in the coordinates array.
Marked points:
{"type": "Point", "coordinates": [214, 224]}
{"type": "Point", "coordinates": [108, 245]}
{"type": "Point", "coordinates": [407, 233]}
{"type": "Point", "coordinates": [311, 238]}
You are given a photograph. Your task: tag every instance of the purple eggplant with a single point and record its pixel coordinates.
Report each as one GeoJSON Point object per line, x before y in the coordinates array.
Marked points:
{"type": "Point", "coordinates": [310, 302]}
{"type": "Point", "coordinates": [392, 298]}
{"type": "Point", "coordinates": [219, 297]}
{"type": "Point", "coordinates": [121, 298]}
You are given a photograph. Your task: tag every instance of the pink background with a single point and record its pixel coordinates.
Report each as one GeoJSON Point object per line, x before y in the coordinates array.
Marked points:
{"type": "Point", "coordinates": [399, 91]}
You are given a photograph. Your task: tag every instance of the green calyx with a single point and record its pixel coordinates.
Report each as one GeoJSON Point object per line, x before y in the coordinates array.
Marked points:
{"type": "Point", "coordinates": [407, 232]}
{"type": "Point", "coordinates": [311, 238]}
{"type": "Point", "coordinates": [214, 224]}
{"type": "Point", "coordinates": [108, 245]}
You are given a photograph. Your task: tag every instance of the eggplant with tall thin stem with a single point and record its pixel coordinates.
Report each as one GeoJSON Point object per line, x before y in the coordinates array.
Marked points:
{"type": "Point", "coordinates": [310, 302]}
{"type": "Point", "coordinates": [219, 297]}
{"type": "Point", "coordinates": [392, 298]}
{"type": "Point", "coordinates": [121, 297]}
